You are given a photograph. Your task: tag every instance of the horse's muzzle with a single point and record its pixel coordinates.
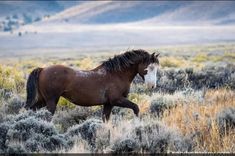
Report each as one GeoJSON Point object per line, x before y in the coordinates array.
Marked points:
{"type": "Point", "coordinates": [151, 86]}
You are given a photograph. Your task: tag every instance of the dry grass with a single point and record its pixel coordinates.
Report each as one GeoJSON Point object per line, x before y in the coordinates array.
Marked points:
{"type": "Point", "coordinates": [199, 118]}
{"type": "Point", "coordinates": [172, 62]}
{"type": "Point", "coordinates": [86, 63]}
{"type": "Point", "coordinates": [143, 101]}
{"type": "Point", "coordinates": [192, 116]}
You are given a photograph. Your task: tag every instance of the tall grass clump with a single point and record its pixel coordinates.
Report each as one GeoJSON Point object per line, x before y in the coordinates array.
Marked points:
{"type": "Point", "coordinates": [200, 120]}
{"type": "Point", "coordinates": [11, 79]}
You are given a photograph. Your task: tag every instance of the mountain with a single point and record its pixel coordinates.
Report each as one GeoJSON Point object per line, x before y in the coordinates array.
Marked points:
{"type": "Point", "coordinates": [198, 13]}
{"type": "Point", "coordinates": [114, 24]}
{"type": "Point", "coordinates": [111, 12]}
{"type": "Point", "coordinates": [104, 12]}
{"type": "Point", "coordinates": [35, 8]}
{"type": "Point", "coordinates": [14, 14]}
{"type": "Point", "coordinates": [157, 12]}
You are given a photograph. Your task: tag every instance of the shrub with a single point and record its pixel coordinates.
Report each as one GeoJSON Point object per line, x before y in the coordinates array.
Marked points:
{"type": "Point", "coordinates": [86, 130]}
{"type": "Point", "coordinates": [102, 140]}
{"type": "Point", "coordinates": [86, 63]}
{"type": "Point", "coordinates": [158, 106]}
{"type": "Point", "coordinates": [15, 149]}
{"type": "Point", "coordinates": [226, 119]}
{"type": "Point", "coordinates": [173, 79]}
{"type": "Point", "coordinates": [151, 138]}
{"type": "Point", "coordinates": [68, 118]}
{"type": "Point", "coordinates": [171, 62]}
{"type": "Point", "coordinates": [138, 79]}
{"type": "Point", "coordinates": [156, 138]}
{"type": "Point", "coordinates": [14, 105]}
{"type": "Point", "coordinates": [19, 81]}
{"type": "Point", "coordinates": [5, 94]}
{"type": "Point", "coordinates": [33, 131]}
{"type": "Point", "coordinates": [200, 58]}
{"type": "Point", "coordinates": [42, 115]}
{"type": "Point", "coordinates": [11, 79]}
{"type": "Point", "coordinates": [211, 77]}
{"type": "Point", "coordinates": [119, 113]}
{"type": "Point", "coordinates": [40, 143]}
{"type": "Point", "coordinates": [126, 146]}
{"type": "Point", "coordinates": [31, 124]}
{"type": "Point", "coordinates": [232, 81]}
{"type": "Point", "coordinates": [4, 127]}
{"type": "Point", "coordinates": [65, 103]}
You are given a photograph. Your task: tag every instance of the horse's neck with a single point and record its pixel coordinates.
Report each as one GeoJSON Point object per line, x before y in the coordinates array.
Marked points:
{"type": "Point", "coordinates": [129, 74]}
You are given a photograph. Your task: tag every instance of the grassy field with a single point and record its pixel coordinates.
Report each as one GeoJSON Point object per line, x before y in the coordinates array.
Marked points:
{"type": "Point", "coordinates": [191, 110]}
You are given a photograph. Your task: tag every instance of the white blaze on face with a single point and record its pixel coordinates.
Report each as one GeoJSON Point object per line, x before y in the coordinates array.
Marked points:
{"type": "Point", "coordinates": [151, 76]}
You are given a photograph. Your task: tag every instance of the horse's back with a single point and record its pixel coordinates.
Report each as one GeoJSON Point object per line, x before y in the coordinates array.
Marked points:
{"type": "Point", "coordinates": [56, 72]}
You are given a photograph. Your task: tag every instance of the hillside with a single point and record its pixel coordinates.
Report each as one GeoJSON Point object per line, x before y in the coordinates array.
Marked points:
{"type": "Point", "coordinates": [107, 12]}
{"type": "Point", "coordinates": [112, 25]}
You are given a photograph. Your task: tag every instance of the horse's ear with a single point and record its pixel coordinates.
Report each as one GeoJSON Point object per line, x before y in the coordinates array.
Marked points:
{"type": "Point", "coordinates": [153, 54]}
{"type": "Point", "coordinates": [157, 55]}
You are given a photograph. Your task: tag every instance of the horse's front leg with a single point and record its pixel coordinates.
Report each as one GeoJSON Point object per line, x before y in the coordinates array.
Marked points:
{"type": "Point", "coordinates": [106, 112]}
{"type": "Point", "coordinates": [123, 102]}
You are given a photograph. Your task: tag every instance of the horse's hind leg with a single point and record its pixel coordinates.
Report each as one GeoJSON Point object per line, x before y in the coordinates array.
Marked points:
{"type": "Point", "coordinates": [51, 105]}
{"type": "Point", "coordinates": [38, 105]}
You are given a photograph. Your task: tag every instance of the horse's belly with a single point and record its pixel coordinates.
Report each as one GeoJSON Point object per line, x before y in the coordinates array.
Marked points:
{"type": "Point", "coordinates": [86, 98]}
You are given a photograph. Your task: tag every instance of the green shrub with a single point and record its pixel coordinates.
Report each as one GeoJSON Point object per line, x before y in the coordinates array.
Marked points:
{"type": "Point", "coordinates": [65, 103]}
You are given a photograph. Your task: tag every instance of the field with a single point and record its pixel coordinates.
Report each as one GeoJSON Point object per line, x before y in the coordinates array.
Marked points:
{"type": "Point", "coordinates": [191, 110]}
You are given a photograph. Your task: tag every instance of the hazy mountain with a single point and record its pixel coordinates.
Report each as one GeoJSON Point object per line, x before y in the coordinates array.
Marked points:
{"type": "Point", "coordinates": [106, 12]}
{"type": "Point", "coordinates": [114, 11]}
{"type": "Point", "coordinates": [115, 24]}
{"type": "Point", "coordinates": [34, 8]}
{"type": "Point", "coordinates": [14, 14]}
{"type": "Point", "coordinates": [157, 12]}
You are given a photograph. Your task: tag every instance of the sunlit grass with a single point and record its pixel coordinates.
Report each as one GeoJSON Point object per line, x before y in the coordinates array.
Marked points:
{"type": "Point", "coordinates": [190, 113]}
{"type": "Point", "coordinates": [199, 118]}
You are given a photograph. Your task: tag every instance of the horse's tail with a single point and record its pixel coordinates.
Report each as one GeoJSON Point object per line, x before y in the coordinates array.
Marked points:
{"type": "Point", "coordinates": [32, 88]}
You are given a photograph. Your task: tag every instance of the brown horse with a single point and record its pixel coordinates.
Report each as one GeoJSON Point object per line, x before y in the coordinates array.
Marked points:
{"type": "Point", "coordinates": [107, 84]}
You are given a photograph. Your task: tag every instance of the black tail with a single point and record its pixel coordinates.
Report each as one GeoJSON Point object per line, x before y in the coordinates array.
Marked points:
{"type": "Point", "coordinates": [32, 88]}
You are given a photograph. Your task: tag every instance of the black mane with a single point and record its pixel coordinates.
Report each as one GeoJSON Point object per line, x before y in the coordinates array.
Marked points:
{"type": "Point", "coordinates": [127, 59]}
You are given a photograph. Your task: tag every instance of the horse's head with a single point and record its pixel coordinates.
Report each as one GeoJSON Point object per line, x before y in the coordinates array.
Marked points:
{"type": "Point", "coordinates": [148, 71]}
{"type": "Point", "coordinates": [139, 61]}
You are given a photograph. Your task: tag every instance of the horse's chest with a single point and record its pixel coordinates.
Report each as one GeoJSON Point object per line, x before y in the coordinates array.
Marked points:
{"type": "Point", "coordinates": [116, 91]}
{"type": "Point", "coordinates": [126, 92]}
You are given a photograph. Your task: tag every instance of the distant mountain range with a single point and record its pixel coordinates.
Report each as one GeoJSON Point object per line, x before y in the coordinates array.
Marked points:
{"type": "Point", "coordinates": [100, 24]}
{"type": "Point", "coordinates": [108, 12]}
{"type": "Point", "coordinates": [157, 12]}
{"type": "Point", "coordinates": [33, 8]}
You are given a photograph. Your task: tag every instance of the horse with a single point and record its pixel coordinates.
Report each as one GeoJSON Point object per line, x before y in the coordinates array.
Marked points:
{"type": "Point", "coordinates": [107, 85]}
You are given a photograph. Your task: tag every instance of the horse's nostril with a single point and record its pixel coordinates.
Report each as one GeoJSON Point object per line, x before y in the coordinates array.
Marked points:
{"type": "Point", "coordinates": [152, 87]}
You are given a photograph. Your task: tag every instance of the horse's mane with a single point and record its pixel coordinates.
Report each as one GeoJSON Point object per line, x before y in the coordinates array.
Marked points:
{"type": "Point", "coordinates": [127, 59]}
